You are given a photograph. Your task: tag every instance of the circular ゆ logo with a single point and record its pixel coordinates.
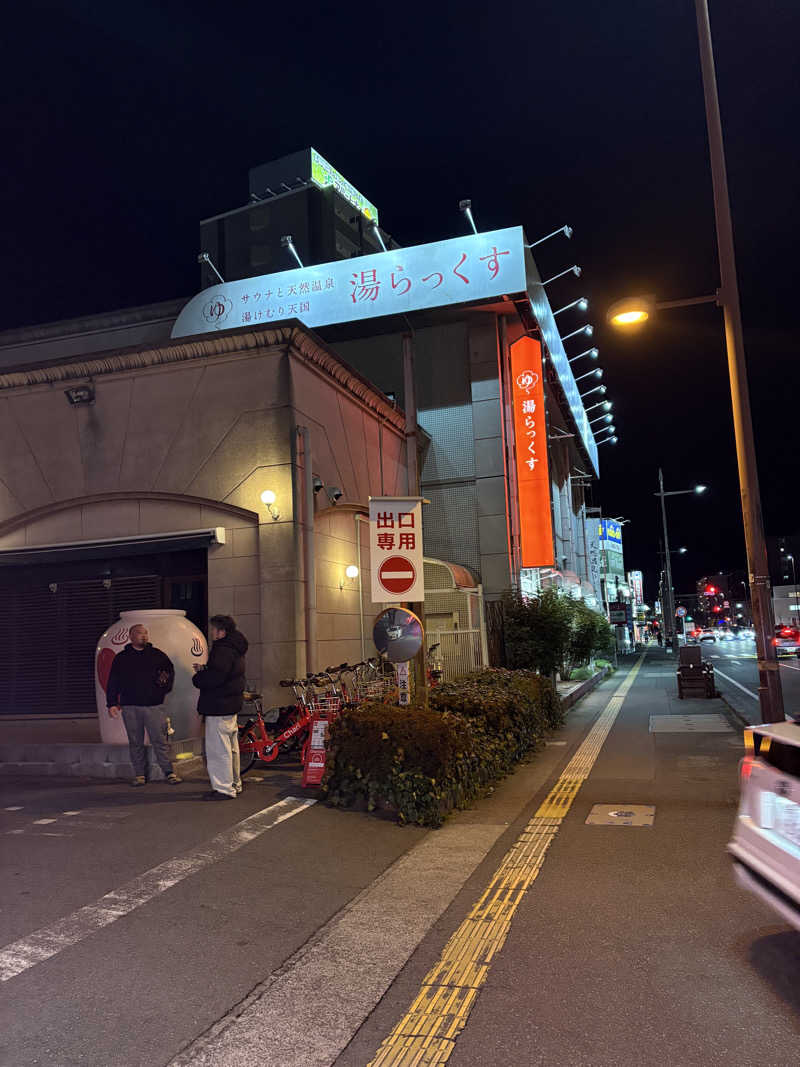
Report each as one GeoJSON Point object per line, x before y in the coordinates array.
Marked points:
{"type": "Point", "coordinates": [527, 380]}
{"type": "Point", "coordinates": [197, 647]}
{"type": "Point", "coordinates": [216, 309]}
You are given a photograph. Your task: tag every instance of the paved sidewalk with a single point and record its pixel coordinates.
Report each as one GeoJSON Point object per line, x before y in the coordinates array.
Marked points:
{"type": "Point", "coordinates": [626, 945]}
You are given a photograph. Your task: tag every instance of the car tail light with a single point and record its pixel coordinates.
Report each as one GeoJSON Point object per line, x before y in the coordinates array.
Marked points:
{"type": "Point", "coordinates": [746, 765]}
{"type": "Point", "coordinates": [775, 640]}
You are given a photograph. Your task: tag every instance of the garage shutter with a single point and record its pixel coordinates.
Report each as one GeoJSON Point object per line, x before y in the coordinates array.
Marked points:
{"type": "Point", "coordinates": [48, 638]}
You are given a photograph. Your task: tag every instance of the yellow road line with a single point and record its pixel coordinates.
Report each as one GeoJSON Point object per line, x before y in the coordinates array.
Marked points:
{"type": "Point", "coordinates": [427, 1033]}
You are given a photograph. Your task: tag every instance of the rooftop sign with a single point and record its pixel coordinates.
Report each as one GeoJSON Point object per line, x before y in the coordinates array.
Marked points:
{"type": "Point", "coordinates": [457, 271]}
{"type": "Point", "coordinates": [324, 175]}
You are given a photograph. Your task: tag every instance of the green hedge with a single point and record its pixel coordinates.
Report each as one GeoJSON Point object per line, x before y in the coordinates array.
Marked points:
{"type": "Point", "coordinates": [424, 763]}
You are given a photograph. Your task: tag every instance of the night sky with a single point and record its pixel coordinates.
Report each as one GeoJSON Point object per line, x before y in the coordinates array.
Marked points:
{"type": "Point", "coordinates": [124, 125]}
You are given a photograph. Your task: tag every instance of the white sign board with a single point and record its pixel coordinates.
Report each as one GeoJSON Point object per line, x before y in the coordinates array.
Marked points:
{"type": "Point", "coordinates": [457, 271]}
{"type": "Point", "coordinates": [395, 549]}
{"type": "Point", "coordinates": [403, 683]}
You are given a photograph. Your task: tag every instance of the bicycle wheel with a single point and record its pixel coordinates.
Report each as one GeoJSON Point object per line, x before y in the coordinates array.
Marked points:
{"type": "Point", "coordinates": [248, 752]}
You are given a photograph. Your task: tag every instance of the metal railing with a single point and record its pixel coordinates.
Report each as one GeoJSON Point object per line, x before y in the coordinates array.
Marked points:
{"type": "Point", "coordinates": [460, 651]}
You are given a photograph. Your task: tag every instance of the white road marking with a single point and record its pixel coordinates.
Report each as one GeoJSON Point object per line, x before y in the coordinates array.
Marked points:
{"type": "Point", "coordinates": [50, 940]}
{"type": "Point", "coordinates": [738, 685]}
{"type": "Point", "coordinates": [42, 822]}
{"type": "Point", "coordinates": [72, 812]}
{"type": "Point", "coordinates": [790, 667]}
{"type": "Point", "coordinates": [16, 807]}
{"type": "Point", "coordinates": [15, 831]}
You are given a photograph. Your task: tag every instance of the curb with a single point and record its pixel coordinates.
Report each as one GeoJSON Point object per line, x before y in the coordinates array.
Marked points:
{"type": "Point", "coordinates": [571, 699]}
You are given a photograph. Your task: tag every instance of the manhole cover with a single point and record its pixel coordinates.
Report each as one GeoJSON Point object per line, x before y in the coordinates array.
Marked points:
{"type": "Point", "coordinates": [621, 815]}
{"type": "Point", "coordinates": [697, 724]}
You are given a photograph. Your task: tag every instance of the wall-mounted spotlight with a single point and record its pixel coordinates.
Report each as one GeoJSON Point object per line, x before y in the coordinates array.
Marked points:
{"type": "Point", "coordinates": [317, 483]}
{"type": "Point", "coordinates": [465, 206]}
{"type": "Point", "coordinates": [566, 231]}
{"type": "Point", "coordinates": [586, 330]}
{"type": "Point", "coordinates": [598, 373]}
{"type": "Point", "coordinates": [378, 236]}
{"type": "Point", "coordinates": [288, 242]}
{"type": "Point", "coordinates": [601, 418]}
{"type": "Point", "coordinates": [606, 405]}
{"type": "Point", "coordinates": [80, 394]}
{"type": "Point", "coordinates": [204, 257]}
{"type": "Point", "coordinates": [609, 441]}
{"type": "Point", "coordinates": [576, 270]}
{"type": "Point", "coordinates": [601, 389]}
{"type": "Point", "coordinates": [592, 353]}
{"type": "Point", "coordinates": [334, 493]}
{"type": "Point", "coordinates": [269, 498]}
{"type": "Point", "coordinates": [581, 304]}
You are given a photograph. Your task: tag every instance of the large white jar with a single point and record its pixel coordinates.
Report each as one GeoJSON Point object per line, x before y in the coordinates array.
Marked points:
{"type": "Point", "coordinates": [185, 645]}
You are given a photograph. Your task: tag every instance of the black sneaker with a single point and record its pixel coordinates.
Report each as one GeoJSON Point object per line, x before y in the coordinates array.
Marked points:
{"type": "Point", "coordinates": [214, 795]}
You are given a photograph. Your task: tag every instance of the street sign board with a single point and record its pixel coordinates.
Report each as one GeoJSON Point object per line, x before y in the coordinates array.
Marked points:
{"type": "Point", "coordinates": [680, 612]}
{"type": "Point", "coordinates": [395, 549]}
{"type": "Point", "coordinates": [618, 613]}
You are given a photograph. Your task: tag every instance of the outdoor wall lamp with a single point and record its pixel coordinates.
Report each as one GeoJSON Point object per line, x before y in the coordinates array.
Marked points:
{"type": "Point", "coordinates": [576, 270]}
{"type": "Point", "coordinates": [608, 441]}
{"type": "Point", "coordinates": [592, 353]}
{"type": "Point", "coordinates": [601, 418]}
{"type": "Point", "coordinates": [565, 230]}
{"type": "Point", "coordinates": [269, 498]}
{"type": "Point", "coordinates": [287, 241]}
{"type": "Point", "coordinates": [582, 304]}
{"type": "Point", "coordinates": [351, 572]}
{"type": "Point", "coordinates": [317, 483]}
{"type": "Point", "coordinates": [334, 493]}
{"type": "Point", "coordinates": [465, 207]}
{"type": "Point", "coordinates": [606, 405]}
{"type": "Point", "coordinates": [590, 374]}
{"type": "Point", "coordinates": [586, 330]}
{"type": "Point", "coordinates": [80, 394]}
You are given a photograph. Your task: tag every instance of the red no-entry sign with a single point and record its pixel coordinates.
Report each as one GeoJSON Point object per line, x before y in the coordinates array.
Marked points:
{"type": "Point", "coordinates": [396, 558]}
{"type": "Point", "coordinates": [397, 574]}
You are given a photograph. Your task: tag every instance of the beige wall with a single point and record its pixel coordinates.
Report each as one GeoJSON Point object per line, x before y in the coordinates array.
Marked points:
{"type": "Point", "coordinates": [191, 445]}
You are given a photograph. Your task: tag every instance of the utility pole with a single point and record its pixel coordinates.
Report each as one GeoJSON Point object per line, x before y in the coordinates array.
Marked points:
{"type": "Point", "coordinates": [770, 692]}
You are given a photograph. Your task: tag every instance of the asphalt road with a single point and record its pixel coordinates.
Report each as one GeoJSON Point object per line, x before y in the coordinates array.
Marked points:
{"type": "Point", "coordinates": [737, 677]}
{"type": "Point", "coordinates": [135, 991]}
{"type": "Point", "coordinates": [142, 927]}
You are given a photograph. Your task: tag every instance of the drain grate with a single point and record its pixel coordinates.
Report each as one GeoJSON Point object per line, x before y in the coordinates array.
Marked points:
{"type": "Point", "coordinates": [698, 724]}
{"type": "Point", "coordinates": [621, 815]}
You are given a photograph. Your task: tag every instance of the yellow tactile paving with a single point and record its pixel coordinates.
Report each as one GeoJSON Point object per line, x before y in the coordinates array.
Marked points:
{"type": "Point", "coordinates": [425, 1036]}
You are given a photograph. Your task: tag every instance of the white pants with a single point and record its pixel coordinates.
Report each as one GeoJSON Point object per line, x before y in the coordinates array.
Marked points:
{"type": "Point", "coordinates": [222, 753]}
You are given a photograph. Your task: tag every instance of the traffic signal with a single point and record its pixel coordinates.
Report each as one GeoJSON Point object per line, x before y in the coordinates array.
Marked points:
{"type": "Point", "coordinates": [710, 590]}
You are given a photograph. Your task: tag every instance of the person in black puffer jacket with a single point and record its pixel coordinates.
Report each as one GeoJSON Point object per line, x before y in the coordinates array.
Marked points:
{"type": "Point", "coordinates": [221, 685]}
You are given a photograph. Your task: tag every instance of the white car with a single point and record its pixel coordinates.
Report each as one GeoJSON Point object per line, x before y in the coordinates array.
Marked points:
{"type": "Point", "coordinates": [786, 639]}
{"type": "Point", "coordinates": [765, 846]}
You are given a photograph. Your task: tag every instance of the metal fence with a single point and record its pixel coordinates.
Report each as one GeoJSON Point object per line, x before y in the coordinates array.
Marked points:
{"type": "Point", "coordinates": [460, 651]}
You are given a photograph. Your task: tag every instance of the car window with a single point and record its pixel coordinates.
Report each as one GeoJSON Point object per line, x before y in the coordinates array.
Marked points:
{"type": "Point", "coordinates": [784, 758]}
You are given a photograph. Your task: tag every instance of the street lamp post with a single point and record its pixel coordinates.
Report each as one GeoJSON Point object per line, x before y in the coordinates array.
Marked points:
{"type": "Point", "coordinates": [769, 689]}
{"type": "Point", "coordinates": [636, 311]}
{"type": "Point", "coordinates": [794, 583]}
{"type": "Point", "coordinates": [669, 596]}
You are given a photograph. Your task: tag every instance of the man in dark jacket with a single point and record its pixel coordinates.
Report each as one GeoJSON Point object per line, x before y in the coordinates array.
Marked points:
{"type": "Point", "coordinates": [221, 685]}
{"type": "Point", "coordinates": [140, 678]}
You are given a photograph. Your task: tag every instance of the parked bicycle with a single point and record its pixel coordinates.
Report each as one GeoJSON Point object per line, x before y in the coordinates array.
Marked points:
{"type": "Point", "coordinates": [285, 730]}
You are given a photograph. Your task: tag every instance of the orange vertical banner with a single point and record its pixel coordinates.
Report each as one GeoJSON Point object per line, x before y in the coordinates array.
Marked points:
{"type": "Point", "coordinates": [530, 438]}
